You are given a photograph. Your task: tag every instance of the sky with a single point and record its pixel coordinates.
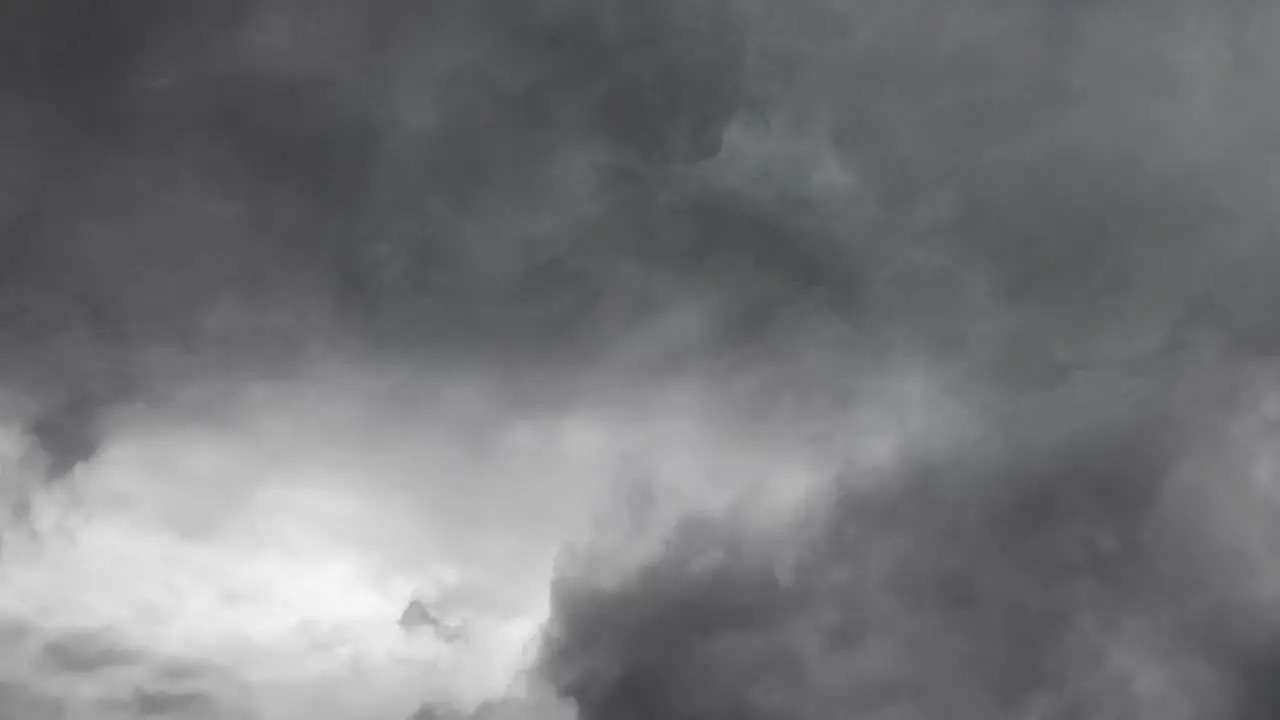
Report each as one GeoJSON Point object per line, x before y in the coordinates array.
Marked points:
{"type": "Point", "coordinates": [690, 360]}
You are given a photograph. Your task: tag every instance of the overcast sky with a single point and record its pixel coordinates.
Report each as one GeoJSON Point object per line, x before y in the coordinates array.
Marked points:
{"type": "Point", "coordinates": [702, 359]}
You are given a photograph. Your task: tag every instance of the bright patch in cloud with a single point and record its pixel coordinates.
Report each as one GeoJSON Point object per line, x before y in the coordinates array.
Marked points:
{"type": "Point", "coordinates": [290, 572]}
{"type": "Point", "coordinates": [276, 544]}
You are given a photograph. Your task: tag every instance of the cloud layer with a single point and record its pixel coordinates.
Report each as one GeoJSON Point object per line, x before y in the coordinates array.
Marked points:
{"type": "Point", "coordinates": [787, 360]}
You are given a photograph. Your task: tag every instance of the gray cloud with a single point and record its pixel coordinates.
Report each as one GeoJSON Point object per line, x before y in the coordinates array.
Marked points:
{"type": "Point", "coordinates": [1059, 212]}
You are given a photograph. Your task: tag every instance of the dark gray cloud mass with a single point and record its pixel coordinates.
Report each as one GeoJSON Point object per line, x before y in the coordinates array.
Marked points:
{"type": "Point", "coordinates": [1062, 208]}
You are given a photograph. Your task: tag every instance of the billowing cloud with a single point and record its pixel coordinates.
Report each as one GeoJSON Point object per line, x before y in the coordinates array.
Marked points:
{"type": "Point", "coordinates": [680, 358]}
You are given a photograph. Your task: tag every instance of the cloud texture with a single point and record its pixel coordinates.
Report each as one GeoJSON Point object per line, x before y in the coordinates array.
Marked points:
{"type": "Point", "coordinates": [701, 359]}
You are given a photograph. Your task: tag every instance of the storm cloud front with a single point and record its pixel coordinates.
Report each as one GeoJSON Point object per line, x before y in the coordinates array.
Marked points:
{"type": "Point", "coordinates": [620, 360]}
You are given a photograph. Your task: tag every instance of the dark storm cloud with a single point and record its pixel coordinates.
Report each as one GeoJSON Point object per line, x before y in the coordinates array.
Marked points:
{"type": "Point", "coordinates": [959, 590]}
{"type": "Point", "coordinates": [400, 163]}
{"type": "Point", "coordinates": [1034, 197]}
{"type": "Point", "coordinates": [334, 160]}
{"type": "Point", "coordinates": [1016, 229]}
